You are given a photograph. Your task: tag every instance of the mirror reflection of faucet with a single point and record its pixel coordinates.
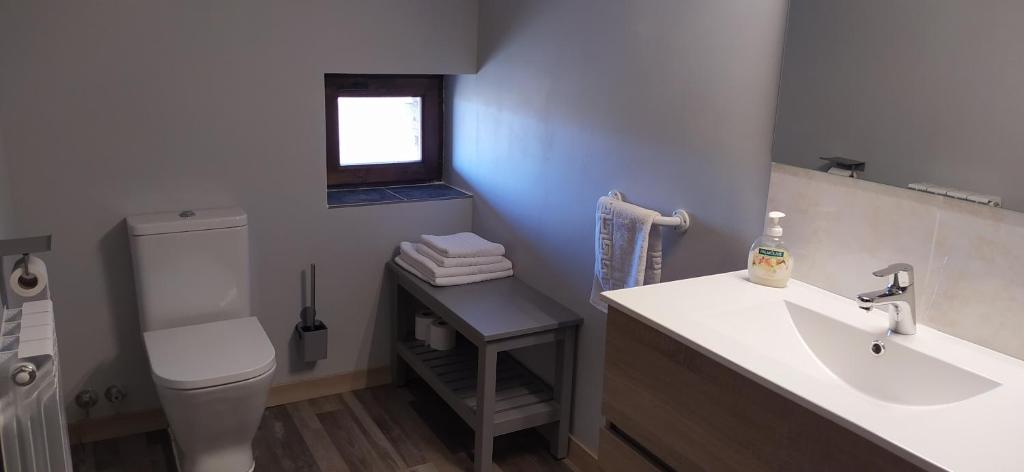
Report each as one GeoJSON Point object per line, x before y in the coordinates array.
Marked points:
{"type": "Point", "coordinates": [897, 298]}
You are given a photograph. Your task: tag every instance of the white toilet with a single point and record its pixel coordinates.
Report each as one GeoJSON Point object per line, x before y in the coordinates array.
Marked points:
{"type": "Point", "coordinates": [210, 358]}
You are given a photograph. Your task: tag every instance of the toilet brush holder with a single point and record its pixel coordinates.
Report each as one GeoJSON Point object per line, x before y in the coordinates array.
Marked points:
{"type": "Point", "coordinates": [312, 341]}
{"type": "Point", "coordinates": [311, 331]}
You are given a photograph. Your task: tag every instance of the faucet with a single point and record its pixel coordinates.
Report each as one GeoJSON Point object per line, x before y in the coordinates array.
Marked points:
{"type": "Point", "coordinates": [897, 296]}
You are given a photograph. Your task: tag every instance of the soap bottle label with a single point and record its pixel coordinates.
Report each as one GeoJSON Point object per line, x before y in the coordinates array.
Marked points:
{"type": "Point", "coordinates": [771, 263]}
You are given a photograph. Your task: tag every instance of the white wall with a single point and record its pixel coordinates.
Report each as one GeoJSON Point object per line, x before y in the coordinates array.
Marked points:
{"type": "Point", "coordinates": [672, 102]}
{"type": "Point", "coordinates": [115, 108]}
{"type": "Point", "coordinates": [924, 91]}
{"type": "Point", "coordinates": [966, 256]}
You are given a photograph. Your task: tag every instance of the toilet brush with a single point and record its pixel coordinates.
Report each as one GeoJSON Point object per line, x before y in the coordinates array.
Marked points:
{"type": "Point", "coordinates": [308, 314]}
{"type": "Point", "coordinates": [311, 332]}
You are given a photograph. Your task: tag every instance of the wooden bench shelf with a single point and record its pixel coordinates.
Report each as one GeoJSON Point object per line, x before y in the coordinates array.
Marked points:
{"type": "Point", "coordinates": [491, 391]}
{"type": "Point", "coordinates": [522, 400]}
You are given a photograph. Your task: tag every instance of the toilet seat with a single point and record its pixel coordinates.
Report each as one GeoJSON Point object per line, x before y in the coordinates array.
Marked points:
{"type": "Point", "coordinates": [209, 354]}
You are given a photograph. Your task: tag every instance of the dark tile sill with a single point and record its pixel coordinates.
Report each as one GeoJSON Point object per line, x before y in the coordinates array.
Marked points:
{"type": "Point", "coordinates": [342, 198]}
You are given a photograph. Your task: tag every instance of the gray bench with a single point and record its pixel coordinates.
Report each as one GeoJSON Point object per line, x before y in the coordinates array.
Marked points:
{"type": "Point", "coordinates": [486, 386]}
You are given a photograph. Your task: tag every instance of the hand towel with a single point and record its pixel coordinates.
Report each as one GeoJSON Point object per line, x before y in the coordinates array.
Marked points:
{"type": "Point", "coordinates": [457, 261]}
{"type": "Point", "coordinates": [450, 281]}
{"type": "Point", "coordinates": [627, 250]}
{"type": "Point", "coordinates": [462, 245]}
{"type": "Point", "coordinates": [427, 267]}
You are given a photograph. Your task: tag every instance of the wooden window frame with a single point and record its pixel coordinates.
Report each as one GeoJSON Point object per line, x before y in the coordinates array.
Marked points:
{"type": "Point", "coordinates": [429, 88]}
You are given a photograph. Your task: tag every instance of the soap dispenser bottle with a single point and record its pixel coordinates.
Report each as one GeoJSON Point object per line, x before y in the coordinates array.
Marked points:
{"type": "Point", "coordinates": [770, 263]}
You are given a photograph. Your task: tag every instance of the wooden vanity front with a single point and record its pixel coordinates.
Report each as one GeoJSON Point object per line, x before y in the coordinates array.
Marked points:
{"type": "Point", "coordinates": [670, 407]}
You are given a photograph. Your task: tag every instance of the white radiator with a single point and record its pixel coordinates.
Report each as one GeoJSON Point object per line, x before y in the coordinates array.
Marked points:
{"type": "Point", "coordinates": [33, 429]}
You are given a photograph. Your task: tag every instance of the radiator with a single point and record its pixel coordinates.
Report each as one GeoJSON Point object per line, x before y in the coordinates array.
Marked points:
{"type": "Point", "coordinates": [33, 428]}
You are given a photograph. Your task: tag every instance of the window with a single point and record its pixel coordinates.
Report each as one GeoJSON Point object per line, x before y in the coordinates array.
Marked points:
{"type": "Point", "coordinates": [383, 129]}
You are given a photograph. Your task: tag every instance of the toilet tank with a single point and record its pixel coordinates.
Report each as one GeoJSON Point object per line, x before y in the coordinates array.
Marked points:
{"type": "Point", "coordinates": [191, 267]}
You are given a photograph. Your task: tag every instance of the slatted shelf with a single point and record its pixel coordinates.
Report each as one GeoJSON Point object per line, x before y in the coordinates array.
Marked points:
{"type": "Point", "coordinates": [522, 400]}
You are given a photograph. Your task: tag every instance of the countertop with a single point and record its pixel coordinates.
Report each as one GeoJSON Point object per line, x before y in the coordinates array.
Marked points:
{"type": "Point", "coordinates": [740, 324]}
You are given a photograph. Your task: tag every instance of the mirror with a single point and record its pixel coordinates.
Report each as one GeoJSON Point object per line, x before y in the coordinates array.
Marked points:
{"type": "Point", "coordinates": [920, 91]}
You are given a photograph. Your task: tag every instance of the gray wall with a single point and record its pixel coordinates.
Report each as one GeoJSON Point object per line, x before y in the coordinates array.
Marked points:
{"type": "Point", "coordinates": [671, 102]}
{"type": "Point", "coordinates": [7, 221]}
{"type": "Point", "coordinates": [922, 91]}
{"type": "Point", "coordinates": [7, 217]}
{"type": "Point", "coordinates": [115, 108]}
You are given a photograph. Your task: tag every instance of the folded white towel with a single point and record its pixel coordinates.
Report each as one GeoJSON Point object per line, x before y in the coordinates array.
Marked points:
{"type": "Point", "coordinates": [462, 245]}
{"type": "Point", "coordinates": [449, 281]}
{"type": "Point", "coordinates": [428, 267]}
{"type": "Point", "coordinates": [627, 248]}
{"type": "Point", "coordinates": [457, 261]}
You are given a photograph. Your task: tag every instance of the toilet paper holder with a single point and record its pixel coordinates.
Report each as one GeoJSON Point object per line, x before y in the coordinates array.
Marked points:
{"type": "Point", "coordinates": [27, 277]}
{"type": "Point", "coordinates": [311, 332]}
{"type": "Point", "coordinates": [23, 247]}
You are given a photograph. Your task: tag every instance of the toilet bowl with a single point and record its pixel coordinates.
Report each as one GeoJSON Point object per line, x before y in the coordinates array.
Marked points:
{"type": "Point", "coordinates": [212, 380]}
{"type": "Point", "coordinates": [212, 428]}
{"type": "Point", "coordinates": [210, 359]}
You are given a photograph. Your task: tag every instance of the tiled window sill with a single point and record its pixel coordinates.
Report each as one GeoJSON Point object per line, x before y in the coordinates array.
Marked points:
{"type": "Point", "coordinates": [396, 194]}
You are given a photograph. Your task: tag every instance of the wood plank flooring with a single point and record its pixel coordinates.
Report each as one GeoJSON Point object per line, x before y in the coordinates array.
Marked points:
{"type": "Point", "coordinates": [377, 429]}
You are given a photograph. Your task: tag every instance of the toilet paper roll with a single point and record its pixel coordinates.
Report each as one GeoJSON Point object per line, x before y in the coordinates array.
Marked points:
{"type": "Point", "coordinates": [840, 172]}
{"type": "Point", "coordinates": [423, 320]}
{"type": "Point", "coordinates": [442, 336]}
{"type": "Point", "coordinates": [22, 286]}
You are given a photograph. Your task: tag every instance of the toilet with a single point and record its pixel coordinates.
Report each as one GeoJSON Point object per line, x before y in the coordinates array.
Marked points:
{"type": "Point", "coordinates": [209, 356]}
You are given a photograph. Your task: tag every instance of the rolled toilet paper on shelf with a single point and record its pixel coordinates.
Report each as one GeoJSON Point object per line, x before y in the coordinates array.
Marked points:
{"type": "Point", "coordinates": [30, 286]}
{"type": "Point", "coordinates": [423, 320]}
{"type": "Point", "coordinates": [840, 172]}
{"type": "Point", "coordinates": [442, 335]}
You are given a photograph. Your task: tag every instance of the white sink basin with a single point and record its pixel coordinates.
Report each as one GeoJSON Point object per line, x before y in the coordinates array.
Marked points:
{"type": "Point", "coordinates": [900, 374]}
{"type": "Point", "coordinates": [936, 400]}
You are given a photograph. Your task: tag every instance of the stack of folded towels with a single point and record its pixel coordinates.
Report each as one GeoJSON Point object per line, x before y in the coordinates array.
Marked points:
{"type": "Point", "coordinates": [455, 259]}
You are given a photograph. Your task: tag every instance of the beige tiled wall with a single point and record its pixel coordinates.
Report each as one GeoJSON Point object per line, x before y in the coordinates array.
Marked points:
{"type": "Point", "coordinates": [969, 258]}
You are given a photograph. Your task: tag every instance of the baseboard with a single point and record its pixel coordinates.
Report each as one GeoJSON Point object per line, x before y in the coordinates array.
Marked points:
{"type": "Point", "coordinates": [122, 424]}
{"type": "Point", "coordinates": [126, 424]}
{"type": "Point", "coordinates": [323, 386]}
{"type": "Point", "coordinates": [580, 458]}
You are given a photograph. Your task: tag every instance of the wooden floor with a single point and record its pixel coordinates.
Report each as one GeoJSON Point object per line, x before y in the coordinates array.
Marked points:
{"type": "Point", "coordinates": [378, 429]}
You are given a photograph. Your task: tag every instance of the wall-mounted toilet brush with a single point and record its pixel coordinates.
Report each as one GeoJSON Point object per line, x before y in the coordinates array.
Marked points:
{"type": "Point", "coordinates": [311, 332]}
{"type": "Point", "coordinates": [308, 314]}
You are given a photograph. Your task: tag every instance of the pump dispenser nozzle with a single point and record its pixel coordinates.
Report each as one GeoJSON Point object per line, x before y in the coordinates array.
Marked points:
{"type": "Point", "coordinates": [774, 228]}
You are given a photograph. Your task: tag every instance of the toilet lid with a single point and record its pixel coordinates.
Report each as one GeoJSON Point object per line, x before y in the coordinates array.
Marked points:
{"type": "Point", "coordinates": [209, 354]}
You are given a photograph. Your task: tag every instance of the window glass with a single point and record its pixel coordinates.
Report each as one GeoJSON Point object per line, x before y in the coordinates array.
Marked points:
{"type": "Point", "coordinates": [379, 130]}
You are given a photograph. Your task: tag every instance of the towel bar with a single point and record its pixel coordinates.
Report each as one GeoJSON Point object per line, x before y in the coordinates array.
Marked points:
{"type": "Point", "coordinates": [679, 221]}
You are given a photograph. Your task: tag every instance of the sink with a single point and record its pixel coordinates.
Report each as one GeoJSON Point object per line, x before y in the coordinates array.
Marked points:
{"type": "Point", "coordinates": [899, 375]}
{"type": "Point", "coordinates": [937, 400]}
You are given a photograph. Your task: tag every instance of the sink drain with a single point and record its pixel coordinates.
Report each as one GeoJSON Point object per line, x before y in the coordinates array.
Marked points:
{"type": "Point", "coordinates": [877, 347]}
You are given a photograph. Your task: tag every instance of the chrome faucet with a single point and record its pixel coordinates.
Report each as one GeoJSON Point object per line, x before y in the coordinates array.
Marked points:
{"type": "Point", "coordinates": [897, 297]}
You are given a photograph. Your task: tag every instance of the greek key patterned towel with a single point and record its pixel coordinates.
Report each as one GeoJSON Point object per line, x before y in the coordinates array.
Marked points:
{"type": "Point", "coordinates": [627, 250]}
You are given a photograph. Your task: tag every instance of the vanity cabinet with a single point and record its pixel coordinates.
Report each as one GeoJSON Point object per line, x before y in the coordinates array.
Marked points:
{"type": "Point", "coordinates": [670, 407]}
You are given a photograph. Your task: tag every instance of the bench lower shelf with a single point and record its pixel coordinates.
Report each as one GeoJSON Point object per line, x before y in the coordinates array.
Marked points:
{"type": "Point", "coordinates": [522, 400]}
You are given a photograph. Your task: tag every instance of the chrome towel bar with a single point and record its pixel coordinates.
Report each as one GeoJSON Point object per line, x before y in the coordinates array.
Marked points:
{"type": "Point", "coordinates": [679, 221]}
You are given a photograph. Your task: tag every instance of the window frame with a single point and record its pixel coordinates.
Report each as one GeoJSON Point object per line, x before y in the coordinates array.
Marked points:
{"type": "Point", "coordinates": [430, 88]}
